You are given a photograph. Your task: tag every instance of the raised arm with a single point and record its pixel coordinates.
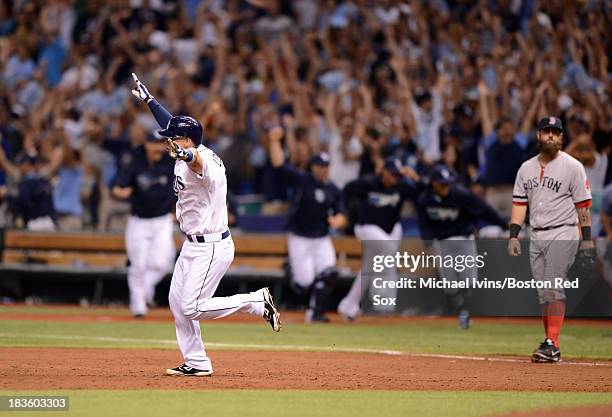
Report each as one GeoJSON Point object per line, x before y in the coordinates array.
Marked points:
{"type": "Point", "coordinates": [330, 113]}
{"type": "Point", "coordinates": [277, 156]}
{"type": "Point", "coordinates": [162, 115]}
{"type": "Point", "coordinates": [533, 108]}
{"type": "Point", "coordinates": [485, 112]}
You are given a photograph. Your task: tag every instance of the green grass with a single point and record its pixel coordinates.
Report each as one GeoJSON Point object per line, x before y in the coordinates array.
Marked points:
{"type": "Point", "coordinates": [589, 342]}
{"type": "Point", "coordinates": [429, 336]}
{"type": "Point", "coordinates": [310, 403]}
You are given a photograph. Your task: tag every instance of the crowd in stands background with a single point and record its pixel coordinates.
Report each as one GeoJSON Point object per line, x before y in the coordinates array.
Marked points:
{"type": "Point", "coordinates": [455, 82]}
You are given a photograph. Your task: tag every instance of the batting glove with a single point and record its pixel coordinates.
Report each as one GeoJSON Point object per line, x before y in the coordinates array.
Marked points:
{"type": "Point", "coordinates": [177, 152]}
{"type": "Point", "coordinates": [141, 91]}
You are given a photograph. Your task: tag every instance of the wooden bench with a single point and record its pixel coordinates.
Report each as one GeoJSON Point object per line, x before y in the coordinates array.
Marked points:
{"type": "Point", "coordinates": [102, 256]}
{"type": "Point", "coordinates": [255, 251]}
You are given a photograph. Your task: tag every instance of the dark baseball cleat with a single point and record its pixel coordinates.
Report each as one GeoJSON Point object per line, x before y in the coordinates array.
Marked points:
{"type": "Point", "coordinates": [547, 352]}
{"type": "Point", "coordinates": [312, 317]}
{"type": "Point", "coordinates": [271, 314]}
{"type": "Point", "coordinates": [464, 319]}
{"type": "Point", "coordinates": [139, 316]}
{"type": "Point", "coordinates": [184, 370]}
{"type": "Point", "coordinates": [320, 318]}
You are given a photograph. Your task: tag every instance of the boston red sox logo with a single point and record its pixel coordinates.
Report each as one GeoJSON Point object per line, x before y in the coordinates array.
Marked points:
{"type": "Point", "coordinates": [552, 121]}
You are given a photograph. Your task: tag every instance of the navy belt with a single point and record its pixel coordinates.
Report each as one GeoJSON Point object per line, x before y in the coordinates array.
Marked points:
{"type": "Point", "coordinates": [206, 238]}
{"type": "Point", "coordinates": [540, 229]}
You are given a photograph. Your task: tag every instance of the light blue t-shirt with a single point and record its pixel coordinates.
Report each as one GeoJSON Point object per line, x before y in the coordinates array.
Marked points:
{"type": "Point", "coordinates": [67, 191]}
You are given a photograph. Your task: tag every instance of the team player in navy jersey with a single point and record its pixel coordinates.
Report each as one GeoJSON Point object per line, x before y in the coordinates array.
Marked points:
{"type": "Point", "coordinates": [145, 178]}
{"type": "Point", "coordinates": [317, 207]}
{"type": "Point", "coordinates": [448, 216]}
{"type": "Point", "coordinates": [380, 199]}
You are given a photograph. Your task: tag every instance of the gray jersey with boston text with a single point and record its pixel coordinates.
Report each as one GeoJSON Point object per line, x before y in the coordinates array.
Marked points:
{"type": "Point", "coordinates": [552, 192]}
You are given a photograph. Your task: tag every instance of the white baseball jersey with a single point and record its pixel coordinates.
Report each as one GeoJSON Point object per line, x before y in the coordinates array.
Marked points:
{"type": "Point", "coordinates": [201, 198]}
{"type": "Point", "coordinates": [552, 192]}
{"type": "Point", "coordinates": [201, 210]}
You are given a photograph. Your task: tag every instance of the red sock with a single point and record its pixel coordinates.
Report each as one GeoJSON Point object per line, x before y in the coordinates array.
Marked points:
{"type": "Point", "coordinates": [555, 313]}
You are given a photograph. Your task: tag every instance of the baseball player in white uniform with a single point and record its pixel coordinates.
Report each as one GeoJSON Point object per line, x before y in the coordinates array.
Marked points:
{"type": "Point", "coordinates": [555, 188]}
{"type": "Point", "coordinates": [200, 185]}
{"type": "Point", "coordinates": [381, 199]}
{"type": "Point", "coordinates": [145, 178]}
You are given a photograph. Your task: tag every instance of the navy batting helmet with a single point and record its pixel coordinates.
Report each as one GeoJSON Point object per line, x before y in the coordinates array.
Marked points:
{"type": "Point", "coordinates": [184, 126]}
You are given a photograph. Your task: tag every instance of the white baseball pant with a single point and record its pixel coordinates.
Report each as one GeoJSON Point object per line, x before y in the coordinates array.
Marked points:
{"type": "Point", "coordinates": [349, 305]}
{"type": "Point", "coordinates": [151, 251]}
{"type": "Point", "coordinates": [456, 246]}
{"type": "Point", "coordinates": [551, 254]}
{"type": "Point", "coordinates": [309, 257]}
{"type": "Point", "coordinates": [197, 274]}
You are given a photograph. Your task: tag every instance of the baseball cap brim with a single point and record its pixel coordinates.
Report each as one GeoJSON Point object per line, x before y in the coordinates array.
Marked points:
{"type": "Point", "coordinates": [550, 123]}
{"type": "Point", "coordinates": [166, 133]}
{"type": "Point", "coordinates": [440, 180]}
{"type": "Point", "coordinates": [320, 163]}
{"type": "Point", "coordinates": [550, 127]}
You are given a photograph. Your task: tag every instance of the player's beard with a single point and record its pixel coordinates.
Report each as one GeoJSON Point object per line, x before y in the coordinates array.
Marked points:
{"type": "Point", "coordinates": [549, 147]}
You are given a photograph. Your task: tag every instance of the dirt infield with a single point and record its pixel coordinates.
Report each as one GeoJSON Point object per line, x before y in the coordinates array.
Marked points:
{"type": "Point", "coordinates": [71, 368]}
{"type": "Point", "coordinates": [598, 411]}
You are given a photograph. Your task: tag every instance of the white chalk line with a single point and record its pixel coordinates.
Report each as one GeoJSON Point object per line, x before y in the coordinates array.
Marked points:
{"type": "Point", "coordinates": [300, 348]}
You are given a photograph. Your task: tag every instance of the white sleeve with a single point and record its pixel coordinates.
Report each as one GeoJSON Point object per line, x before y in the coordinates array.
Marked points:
{"type": "Point", "coordinates": [580, 186]}
{"type": "Point", "coordinates": [212, 166]}
{"type": "Point", "coordinates": [519, 193]}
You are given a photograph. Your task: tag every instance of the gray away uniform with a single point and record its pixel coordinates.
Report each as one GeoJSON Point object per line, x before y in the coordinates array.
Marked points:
{"type": "Point", "coordinates": [553, 193]}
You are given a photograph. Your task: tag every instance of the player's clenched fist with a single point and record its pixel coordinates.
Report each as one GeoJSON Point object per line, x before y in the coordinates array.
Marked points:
{"type": "Point", "coordinates": [177, 152]}
{"type": "Point", "coordinates": [514, 247]}
{"type": "Point", "coordinates": [141, 91]}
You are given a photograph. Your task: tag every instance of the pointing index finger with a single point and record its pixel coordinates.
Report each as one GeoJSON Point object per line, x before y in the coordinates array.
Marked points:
{"type": "Point", "coordinates": [135, 78]}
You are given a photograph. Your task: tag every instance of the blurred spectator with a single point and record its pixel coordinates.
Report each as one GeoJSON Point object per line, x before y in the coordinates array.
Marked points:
{"type": "Point", "coordinates": [504, 149]}
{"type": "Point", "coordinates": [606, 213]}
{"type": "Point", "coordinates": [453, 82]}
{"type": "Point", "coordinates": [344, 144]}
{"type": "Point", "coordinates": [34, 197]}
{"type": "Point", "coordinates": [595, 164]}
{"type": "Point", "coordinates": [32, 202]}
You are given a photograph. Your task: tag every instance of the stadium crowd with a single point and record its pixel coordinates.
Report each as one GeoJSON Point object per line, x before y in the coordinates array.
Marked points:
{"type": "Point", "coordinates": [454, 82]}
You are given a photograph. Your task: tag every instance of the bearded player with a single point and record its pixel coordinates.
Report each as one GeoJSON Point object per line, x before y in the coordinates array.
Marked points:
{"type": "Point", "coordinates": [200, 185]}
{"type": "Point", "coordinates": [555, 188]}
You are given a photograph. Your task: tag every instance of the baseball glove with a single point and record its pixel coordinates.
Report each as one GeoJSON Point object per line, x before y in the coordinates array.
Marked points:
{"type": "Point", "coordinates": [585, 260]}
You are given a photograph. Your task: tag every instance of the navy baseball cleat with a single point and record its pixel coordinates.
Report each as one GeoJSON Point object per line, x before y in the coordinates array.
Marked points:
{"type": "Point", "coordinates": [184, 370]}
{"type": "Point", "coordinates": [271, 314]}
{"type": "Point", "coordinates": [547, 353]}
{"type": "Point", "coordinates": [312, 317]}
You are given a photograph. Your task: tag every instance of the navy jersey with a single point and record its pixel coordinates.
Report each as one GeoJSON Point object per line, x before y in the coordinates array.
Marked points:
{"type": "Point", "coordinates": [379, 205]}
{"type": "Point", "coordinates": [312, 203]}
{"type": "Point", "coordinates": [34, 198]}
{"type": "Point", "coordinates": [454, 215]}
{"type": "Point", "coordinates": [153, 195]}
